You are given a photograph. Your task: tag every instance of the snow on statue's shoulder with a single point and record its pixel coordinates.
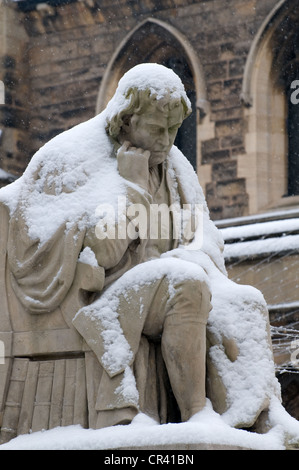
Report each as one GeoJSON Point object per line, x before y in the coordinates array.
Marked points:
{"type": "Point", "coordinates": [66, 180]}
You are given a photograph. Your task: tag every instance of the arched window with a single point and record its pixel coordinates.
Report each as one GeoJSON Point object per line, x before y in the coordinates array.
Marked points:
{"type": "Point", "coordinates": [271, 163]}
{"type": "Point", "coordinates": [186, 137]}
{"type": "Point", "coordinates": [288, 66]}
{"type": "Point", "coordinates": [293, 142]}
{"type": "Point", "coordinates": [155, 41]}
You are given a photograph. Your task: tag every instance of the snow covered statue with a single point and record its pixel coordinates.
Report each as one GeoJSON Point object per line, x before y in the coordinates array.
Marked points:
{"type": "Point", "coordinates": [114, 295]}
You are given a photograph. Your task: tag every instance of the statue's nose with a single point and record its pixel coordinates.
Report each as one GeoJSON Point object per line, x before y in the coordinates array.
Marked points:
{"type": "Point", "coordinates": [164, 138]}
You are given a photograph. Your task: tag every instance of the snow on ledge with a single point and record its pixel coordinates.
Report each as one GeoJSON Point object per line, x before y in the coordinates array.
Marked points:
{"type": "Point", "coordinates": [255, 248]}
{"type": "Point", "coordinates": [207, 427]}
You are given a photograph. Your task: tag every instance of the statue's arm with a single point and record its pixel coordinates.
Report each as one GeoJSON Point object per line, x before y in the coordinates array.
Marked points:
{"type": "Point", "coordinates": [110, 238]}
{"type": "Point", "coordinates": [108, 251]}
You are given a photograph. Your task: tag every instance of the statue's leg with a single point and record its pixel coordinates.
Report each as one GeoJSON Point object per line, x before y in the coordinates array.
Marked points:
{"type": "Point", "coordinates": [184, 346]}
{"type": "Point", "coordinates": [184, 342]}
{"type": "Point", "coordinates": [171, 304]}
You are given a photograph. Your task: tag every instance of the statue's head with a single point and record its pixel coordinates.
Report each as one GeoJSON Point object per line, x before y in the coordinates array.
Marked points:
{"type": "Point", "coordinates": [147, 110]}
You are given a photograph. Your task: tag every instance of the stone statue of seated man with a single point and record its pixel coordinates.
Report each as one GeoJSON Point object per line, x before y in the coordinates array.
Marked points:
{"type": "Point", "coordinates": [109, 240]}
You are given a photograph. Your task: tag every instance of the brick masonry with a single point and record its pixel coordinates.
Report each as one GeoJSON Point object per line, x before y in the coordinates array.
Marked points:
{"type": "Point", "coordinates": [53, 70]}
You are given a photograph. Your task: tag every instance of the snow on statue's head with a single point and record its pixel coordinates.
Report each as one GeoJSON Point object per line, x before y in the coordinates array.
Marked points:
{"type": "Point", "coordinates": [141, 86]}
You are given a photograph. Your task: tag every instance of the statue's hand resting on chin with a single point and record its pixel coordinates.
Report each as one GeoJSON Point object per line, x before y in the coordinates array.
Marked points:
{"type": "Point", "coordinates": [133, 164]}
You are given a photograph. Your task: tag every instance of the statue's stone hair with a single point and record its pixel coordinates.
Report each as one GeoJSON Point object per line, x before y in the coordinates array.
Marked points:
{"type": "Point", "coordinates": [137, 101]}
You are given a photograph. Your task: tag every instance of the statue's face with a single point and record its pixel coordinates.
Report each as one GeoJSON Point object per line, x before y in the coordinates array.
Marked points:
{"type": "Point", "coordinates": [155, 129]}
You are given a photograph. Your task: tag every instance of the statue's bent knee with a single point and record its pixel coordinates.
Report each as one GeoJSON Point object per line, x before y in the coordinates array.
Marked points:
{"type": "Point", "coordinates": [191, 297]}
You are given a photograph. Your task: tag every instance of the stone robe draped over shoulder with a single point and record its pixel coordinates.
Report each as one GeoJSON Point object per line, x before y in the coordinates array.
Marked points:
{"type": "Point", "coordinates": [51, 206]}
{"type": "Point", "coordinates": [54, 204]}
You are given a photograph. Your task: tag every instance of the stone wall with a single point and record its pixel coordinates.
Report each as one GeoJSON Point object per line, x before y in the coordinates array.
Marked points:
{"type": "Point", "coordinates": [55, 57]}
{"type": "Point", "coordinates": [14, 114]}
